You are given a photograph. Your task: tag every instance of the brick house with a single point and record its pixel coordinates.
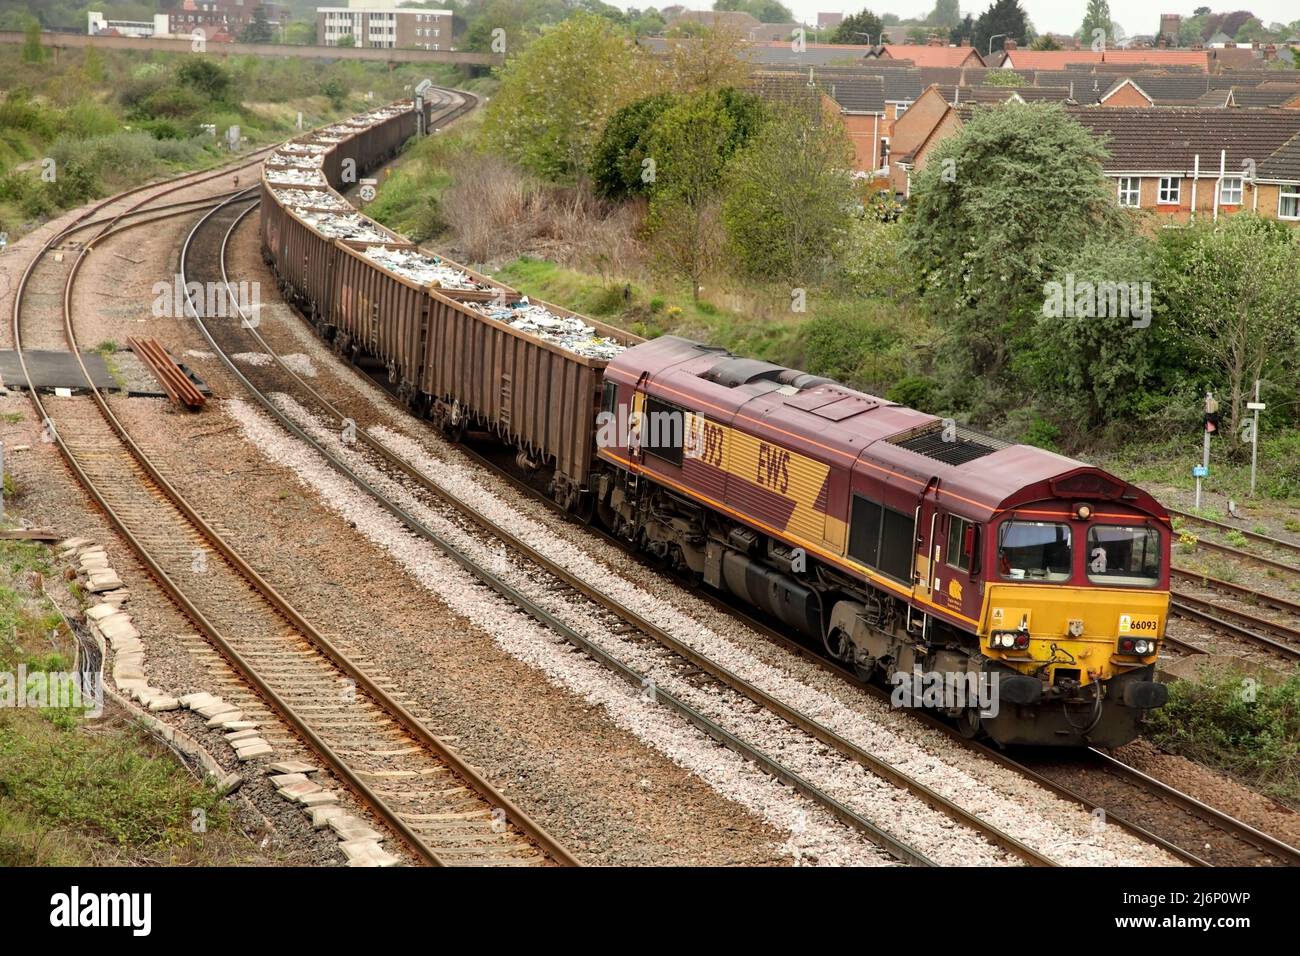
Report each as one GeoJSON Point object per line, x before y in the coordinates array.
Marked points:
{"type": "Point", "coordinates": [1179, 162]}
{"type": "Point", "coordinates": [857, 99]}
{"type": "Point", "coordinates": [1174, 162]}
{"type": "Point", "coordinates": [218, 19]}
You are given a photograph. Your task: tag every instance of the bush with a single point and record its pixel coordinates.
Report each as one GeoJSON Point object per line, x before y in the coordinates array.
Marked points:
{"type": "Point", "coordinates": [1246, 727]}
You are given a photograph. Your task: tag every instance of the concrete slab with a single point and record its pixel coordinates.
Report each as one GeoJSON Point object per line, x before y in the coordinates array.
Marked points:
{"type": "Point", "coordinates": [238, 735]}
{"type": "Point", "coordinates": [218, 706]}
{"type": "Point", "coordinates": [367, 853]}
{"type": "Point", "coordinates": [322, 815]}
{"type": "Point", "coordinates": [50, 368]}
{"type": "Point", "coordinates": [229, 717]}
{"type": "Point", "coordinates": [201, 699]}
{"type": "Point", "coordinates": [284, 779]}
{"type": "Point", "coordinates": [321, 799]}
{"type": "Point", "coordinates": [258, 748]}
{"type": "Point", "coordinates": [296, 791]}
{"type": "Point", "coordinates": [163, 703]}
{"type": "Point", "coordinates": [105, 581]}
{"type": "Point", "coordinates": [291, 766]}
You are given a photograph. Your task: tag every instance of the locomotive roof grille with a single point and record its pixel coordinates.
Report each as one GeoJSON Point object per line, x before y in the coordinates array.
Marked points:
{"type": "Point", "coordinates": [953, 446]}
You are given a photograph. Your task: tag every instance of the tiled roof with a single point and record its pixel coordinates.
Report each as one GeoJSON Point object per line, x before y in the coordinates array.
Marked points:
{"type": "Point", "coordinates": [1284, 164]}
{"type": "Point", "coordinates": [1063, 59]}
{"type": "Point", "coordinates": [854, 94]}
{"type": "Point", "coordinates": [902, 84]}
{"type": "Point", "coordinates": [934, 55]}
{"type": "Point", "coordinates": [1217, 99]}
{"type": "Point", "coordinates": [1265, 97]}
{"type": "Point", "coordinates": [1167, 140]}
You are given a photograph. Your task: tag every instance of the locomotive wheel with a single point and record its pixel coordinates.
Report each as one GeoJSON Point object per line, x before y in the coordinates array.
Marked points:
{"type": "Point", "coordinates": [454, 433]}
{"type": "Point", "coordinates": [837, 645]}
{"type": "Point", "coordinates": [968, 724]}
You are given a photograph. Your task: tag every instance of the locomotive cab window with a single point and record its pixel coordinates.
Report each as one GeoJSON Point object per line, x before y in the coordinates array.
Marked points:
{"type": "Point", "coordinates": [963, 544]}
{"type": "Point", "coordinates": [1129, 557]}
{"type": "Point", "coordinates": [609, 401]}
{"type": "Point", "coordinates": [1034, 551]}
{"type": "Point", "coordinates": [881, 537]}
{"type": "Point", "coordinates": [663, 429]}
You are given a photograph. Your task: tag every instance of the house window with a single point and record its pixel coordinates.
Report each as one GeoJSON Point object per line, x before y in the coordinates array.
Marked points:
{"type": "Point", "coordinates": [900, 109]}
{"type": "Point", "coordinates": [1288, 202]}
{"type": "Point", "coordinates": [1230, 191]}
{"type": "Point", "coordinates": [1130, 190]}
{"type": "Point", "coordinates": [1170, 190]}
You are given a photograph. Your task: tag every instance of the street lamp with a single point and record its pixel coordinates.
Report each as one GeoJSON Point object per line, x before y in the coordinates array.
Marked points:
{"type": "Point", "coordinates": [994, 37]}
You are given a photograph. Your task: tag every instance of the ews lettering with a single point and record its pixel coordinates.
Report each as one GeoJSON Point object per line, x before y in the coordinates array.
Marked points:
{"type": "Point", "coordinates": [773, 468]}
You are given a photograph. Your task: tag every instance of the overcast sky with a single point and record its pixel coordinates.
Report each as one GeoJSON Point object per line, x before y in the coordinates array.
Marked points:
{"type": "Point", "coordinates": [1058, 16]}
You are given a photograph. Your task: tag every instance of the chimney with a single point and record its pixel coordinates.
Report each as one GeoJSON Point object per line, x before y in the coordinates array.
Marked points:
{"type": "Point", "coordinates": [965, 41]}
{"type": "Point", "coordinates": [1008, 44]}
{"type": "Point", "coordinates": [1230, 45]}
{"type": "Point", "coordinates": [1160, 44]}
{"type": "Point", "coordinates": [1270, 52]}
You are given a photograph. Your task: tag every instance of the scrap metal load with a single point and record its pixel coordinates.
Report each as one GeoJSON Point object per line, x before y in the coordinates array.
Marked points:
{"type": "Point", "coordinates": [427, 270]}
{"type": "Point", "coordinates": [568, 332]}
{"type": "Point", "coordinates": [457, 346]}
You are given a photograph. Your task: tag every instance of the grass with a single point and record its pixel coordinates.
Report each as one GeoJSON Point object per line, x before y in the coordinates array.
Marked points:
{"type": "Point", "coordinates": [1246, 728]}
{"type": "Point", "coordinates": [78, 793]}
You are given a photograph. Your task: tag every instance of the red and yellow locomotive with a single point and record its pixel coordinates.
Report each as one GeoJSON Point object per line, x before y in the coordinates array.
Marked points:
{"type": "Point", "coordinates": [906, 543]}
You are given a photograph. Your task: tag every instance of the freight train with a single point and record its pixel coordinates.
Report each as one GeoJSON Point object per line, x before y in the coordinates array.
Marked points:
{"type": "Point", "coordinates": [1022, 593]}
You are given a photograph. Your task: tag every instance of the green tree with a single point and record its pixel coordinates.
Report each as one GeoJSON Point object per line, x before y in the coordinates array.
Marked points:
{"type": "Point", "coordinates": [618, 165]}
{"type": "Point", "coordinates": [1004, 78]}
{"type": "Point", "coordinates": [1234, 291]}
{"type": "Point", "coordinates": [347, 40]}
{"type": "Point", "coordinates": [1002, 17]}
{"type": "Point", "coordinates": [1089, 369]}
{"type": "Point", "coordinates": [858, 28]}
{"type": "Point", "coordinates": [789, 197]}
{"type": "Point", "coordinates": [1045, 42]}
{"type": "Point", "coordinates": [259, 29]}
{"type": "Point", "coordinates": [963, 31]}
{"type": "Point", "coordinates": [205, 77]}
{"type": "Point", "coordinates": [1097, 17]}
{"type": "Point", "coordinates": [995, 212]}
{"type": "Point", "coordinates": [556, 95]}
{"type": "Point", "coordinates": [945, 15]}
{"type": "Point", "coordinates": [712, 58]}
{"type": "Point", "coordinates": [764, 11]}
{"type": "Point", "coordinates": [689, 146]}
{"type": "Point", "coordinates": [33, 51]}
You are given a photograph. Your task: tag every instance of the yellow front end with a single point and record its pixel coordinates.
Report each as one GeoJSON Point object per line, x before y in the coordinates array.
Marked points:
{"type": "Point", "coordinates": [1073, 633]}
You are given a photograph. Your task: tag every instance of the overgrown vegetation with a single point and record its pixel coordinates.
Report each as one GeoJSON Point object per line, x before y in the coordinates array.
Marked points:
{"type": "Point", "coordinates": [101, 121]}
{"type": "Point", "coordinates": [1246, 727]}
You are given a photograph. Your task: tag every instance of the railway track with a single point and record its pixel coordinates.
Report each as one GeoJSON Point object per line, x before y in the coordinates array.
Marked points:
{"type": "Point", "coordinates": [437, 805]}
{"type": "Point", "coordinates": [231, 338]}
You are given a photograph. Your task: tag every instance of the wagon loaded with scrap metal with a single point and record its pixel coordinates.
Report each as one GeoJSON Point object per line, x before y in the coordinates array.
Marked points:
{"type": "Point", "coordinates": [911, 549]}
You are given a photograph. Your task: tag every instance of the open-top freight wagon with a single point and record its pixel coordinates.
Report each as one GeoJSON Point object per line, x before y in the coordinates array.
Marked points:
{"type": "Point", "coordinates": [457, 346]}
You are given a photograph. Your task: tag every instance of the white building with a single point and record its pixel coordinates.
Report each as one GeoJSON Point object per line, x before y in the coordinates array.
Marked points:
{"type": "Point", "coordinates": [96, 24]}
{"type": "Point", "coordinates": [384, 23]}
